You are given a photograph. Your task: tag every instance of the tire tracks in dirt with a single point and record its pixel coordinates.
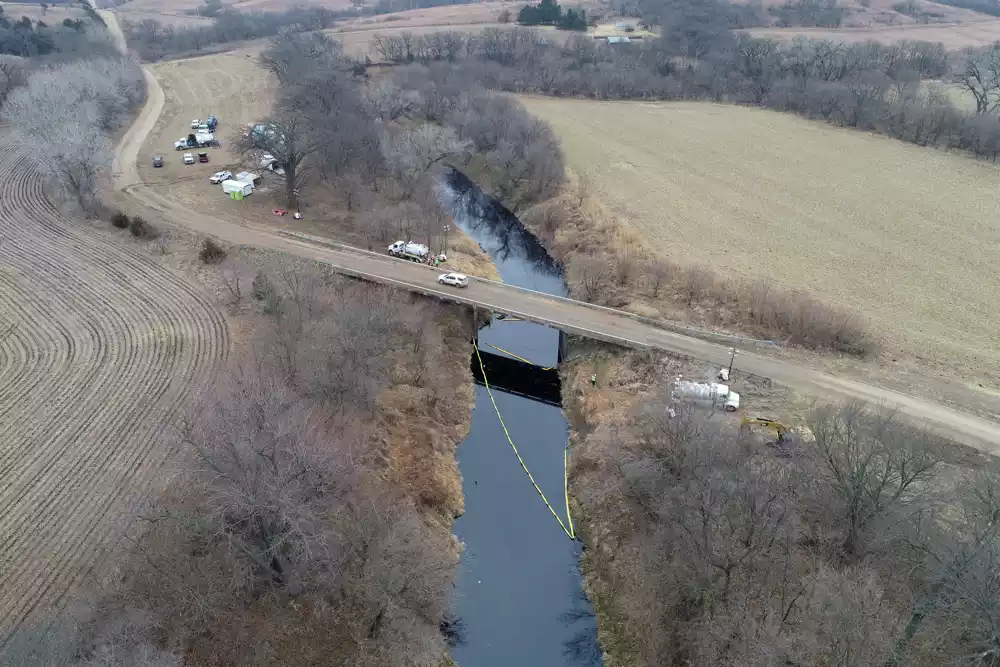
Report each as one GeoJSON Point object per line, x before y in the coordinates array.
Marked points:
{"type": "Point", "coordinates": [106, 345]}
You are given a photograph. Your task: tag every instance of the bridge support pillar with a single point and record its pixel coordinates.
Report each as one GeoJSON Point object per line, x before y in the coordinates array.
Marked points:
{"type": "Point", "coordinates": [475, 326]}
{"type": "Point", "coordinates": [561, 354]}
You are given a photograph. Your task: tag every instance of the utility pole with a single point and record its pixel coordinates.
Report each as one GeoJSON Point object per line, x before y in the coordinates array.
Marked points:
{"type": "Point", "coordinates": [732, 357]}
{"type": "Point", "coordinates": [447, 228]}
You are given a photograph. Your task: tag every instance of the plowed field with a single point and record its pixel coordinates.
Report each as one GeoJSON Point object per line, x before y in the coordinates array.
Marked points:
{"type": "Point", "coordinates": [105, 345]}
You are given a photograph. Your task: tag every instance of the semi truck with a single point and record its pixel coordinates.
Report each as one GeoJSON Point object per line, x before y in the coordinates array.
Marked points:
{"type": "Point", "coordinates": [416, 252]}
{"type": "Point", "coordinates": [196, 140]}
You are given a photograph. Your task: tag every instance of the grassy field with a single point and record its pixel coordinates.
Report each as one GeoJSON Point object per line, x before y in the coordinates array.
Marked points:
{"type": "Point", "coordinates": [953, 35]}
{"type": "Point", "coordinates": [902, 234]}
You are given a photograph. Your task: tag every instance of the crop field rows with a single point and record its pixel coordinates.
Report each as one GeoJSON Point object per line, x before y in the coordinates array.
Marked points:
{"type": "Point", "coordinates": [104, 346]}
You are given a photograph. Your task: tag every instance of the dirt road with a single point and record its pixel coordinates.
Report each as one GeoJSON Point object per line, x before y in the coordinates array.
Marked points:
{"type": "Point", "coordinates": [975, 431]}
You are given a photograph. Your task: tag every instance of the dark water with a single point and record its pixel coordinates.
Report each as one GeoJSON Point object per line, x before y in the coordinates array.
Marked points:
{"type": "Point", "coordinates": [518, 594]}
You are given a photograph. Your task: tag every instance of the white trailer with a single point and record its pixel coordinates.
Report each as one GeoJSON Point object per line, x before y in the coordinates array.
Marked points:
{"type": "Point", "coordinates": [244, 189]}
{"type": "Point", "coordinates": [416, 252]}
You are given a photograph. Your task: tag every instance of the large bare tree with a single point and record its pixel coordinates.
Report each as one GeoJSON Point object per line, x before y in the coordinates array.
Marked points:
{"type": "Point", "coordinates": [980, 75]}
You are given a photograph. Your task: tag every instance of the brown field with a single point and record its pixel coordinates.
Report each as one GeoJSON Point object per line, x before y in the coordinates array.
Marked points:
{"type": "Point", "coordinates": [902, 234]}
{"type": "Point", "coordinates": [177, 11]}
{"type": "Point", "coordinates": [166, 18]}
{"type": "Point", "coordinates": [51, 16]}
{"type": "Point", "coordinates": [952, 35]}
{"type": "Point", "coordinates": [880, 13]}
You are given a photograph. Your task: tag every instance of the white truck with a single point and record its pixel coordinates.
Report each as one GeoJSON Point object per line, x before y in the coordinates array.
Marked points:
{"type": "Point", "coordinates": [715, 394]}
{"type": "Point", "coordinates": [205, 139]}
{"type": "Point", "coordinates": [416, 252]}
{"type": "Point", "coordinates": [196, 140]}
{"type": "Point", "coordinates": [268, 161]}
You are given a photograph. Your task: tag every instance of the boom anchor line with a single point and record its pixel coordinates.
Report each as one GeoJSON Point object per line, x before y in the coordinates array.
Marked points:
{"type": "Point", "coordinates": [570, 532]}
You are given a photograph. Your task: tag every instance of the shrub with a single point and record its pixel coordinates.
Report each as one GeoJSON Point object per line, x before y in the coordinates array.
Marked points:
{"type": "Point", "coordinates": [263, 289]}
{"type": "Point", "coordinates": [211, 252]}
{"type": "Point", "coordinates": [139, 227]}
{"type": "Point", "coordinates": [119, 220]}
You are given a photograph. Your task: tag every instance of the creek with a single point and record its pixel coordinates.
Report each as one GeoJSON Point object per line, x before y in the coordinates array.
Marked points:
{"type": "Point", "coordinates": [518, 596]}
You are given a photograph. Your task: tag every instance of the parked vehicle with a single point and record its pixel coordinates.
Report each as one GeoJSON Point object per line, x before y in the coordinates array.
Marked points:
{"type": "Point", "coordinates": [196, 140]}
{"type": "Point", "coordinates": [205, 139]}
{"type": "Point", "coordinates": [416, 252]}
{"type": "Point", "coordinates": [237, 187]}
{"type": "Point", "coordinates": [195, 123]}
{"type": "Point", "coordinates": [157, 160]}
{"type": "Point", "coordinates": [220, 176]}
{"type": "Point", "coordinates": [454, 279]}
{"type": "Point", "coordinates": [202, 157]}
{"type": "Point", "coordinates": [709, 393]}
{"type": "Point", "coordinates": [212, 122]}
{"type": "Point", "coordinates": [188, 158]}
{"type": "Point", "coordinates": [269, 162]}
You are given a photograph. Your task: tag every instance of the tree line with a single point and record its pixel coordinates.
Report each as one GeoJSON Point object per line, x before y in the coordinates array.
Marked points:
{"type": "Point", "coordinates": [153, 40]}
{"type": "Point", "coordinates": [548, 12]}
{"type": "Point", "coordinates": [868, 86]}
{"type": "Point", "coordinates": [68, 114]}
{"type": "Point", "coordinates": [848, 544]}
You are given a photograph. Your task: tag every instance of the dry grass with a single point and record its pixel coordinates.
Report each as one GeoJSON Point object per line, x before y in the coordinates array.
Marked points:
{"type": "Point", "coordinates": [356, 35]}
{"type": "Point", "coordinates": [900, 233]}
{"type": "Point", "coordinates": [51, 16]}
{"type": "Point", "coordinates": [179, 12]}
{"type": "Point", "coordinates": [957, 35]}
{"type": "Point", "coordinates": [880, 13]}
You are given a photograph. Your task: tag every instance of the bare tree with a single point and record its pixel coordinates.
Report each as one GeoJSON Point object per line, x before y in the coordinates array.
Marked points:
{"type": "Point", "coordinates": [591, 276]}
{"type": "Point", "coordinates": [981, 77]}
{"type": "Point", "coordinates": [658, 272]}
{"type": "Point", "coordinates": [697, 279]}
{"type": "Point", "coordinates": [286, 136]}
{"type": "Point", "coordinates": [876, 469]}
{"type": "Point", "coordinates": [411, 152]}
{"type": "Point", "coordinates": [12, 75]}
{"type": "Point", "coordinates": [293, 52]}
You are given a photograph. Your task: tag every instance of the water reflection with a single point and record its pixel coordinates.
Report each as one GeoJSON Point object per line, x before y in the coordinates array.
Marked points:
{"type": "Point", "coordinates": [518, 589]}
{"type": "Point", "coordinates": [520, 257]}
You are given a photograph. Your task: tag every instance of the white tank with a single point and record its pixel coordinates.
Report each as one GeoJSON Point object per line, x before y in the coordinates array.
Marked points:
{"type": "Point", "coordinates": [717, 394]}
{"type": "Point", "coordinates": [698, 391]}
